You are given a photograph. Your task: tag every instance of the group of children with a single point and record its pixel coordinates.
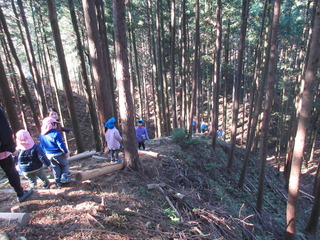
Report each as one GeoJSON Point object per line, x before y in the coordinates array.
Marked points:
{"type": "Point", "coordinates": [51, 152]}
{"type": "Point", "coordinates": [113, 138]}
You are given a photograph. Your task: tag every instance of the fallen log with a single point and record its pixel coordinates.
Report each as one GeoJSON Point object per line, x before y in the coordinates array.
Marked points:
{"type": "Point", "coordinates": [149, 153]}
{"type": "Point", "coordinates": [82, 155]}
{"type": "Point", "coordinates": [99, 157]}
{"type": "Point", "coordinates": [22, 218]}
{"type": "Point", "coordinates": [82, 176]}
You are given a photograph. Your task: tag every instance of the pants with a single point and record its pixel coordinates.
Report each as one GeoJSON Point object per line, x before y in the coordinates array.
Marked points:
{"type": "Point", "coordinates": [14, 179]}
{"type": "Point", "coordinates": [114, 153]}
{"type": "Point", "coordinates": [61, 168]}
{"type": "Point", "coordinates": [32, 177]}
{"type": "Point", "coordinates": [141, 144]}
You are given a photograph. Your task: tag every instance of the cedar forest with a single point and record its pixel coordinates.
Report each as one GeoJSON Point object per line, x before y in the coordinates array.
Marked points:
{"type": "Point", "coordinates": [248, 68]}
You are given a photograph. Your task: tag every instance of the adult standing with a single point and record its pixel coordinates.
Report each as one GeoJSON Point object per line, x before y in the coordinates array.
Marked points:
{"type": "Point", "coordinates": [7, 147]}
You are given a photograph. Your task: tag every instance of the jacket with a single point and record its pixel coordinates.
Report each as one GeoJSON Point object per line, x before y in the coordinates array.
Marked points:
{"type": "Point", "coordinates": [52, 142]}
{"type": "Point", "coordinates": [141, 134]}
{"type": "Point", "coordinates": [32, 159]}
{"type": "Point", "coordinates": [113, 138]}
{"type": "Point", "coordinates": [6, 140]}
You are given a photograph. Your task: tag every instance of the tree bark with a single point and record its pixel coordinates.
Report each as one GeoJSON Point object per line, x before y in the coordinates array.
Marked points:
{"type": "Point", "coordinates": [268, 100]}
{"type": "Point", "coordinates": [22, 77]}
{"type": "Point", "coordinates": [235, 108]}
{"type": "Point", "coordinates": [216, 82]}
{"type": "Point", "coordinates": [306, 103]}
{"type": "Point", "coordinates": [85, 79]}
{"type": "Point", "coordinates": [65, 75]}
{"type": "Point", "coordinates": [123, 81]}
{"type": "Point", "coordinates": [102, 84]}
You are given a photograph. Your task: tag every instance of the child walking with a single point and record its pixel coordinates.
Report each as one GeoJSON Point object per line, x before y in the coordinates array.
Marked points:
{"type": "Point", "coordinates": [141, 134]}
{"type": "Point", "coordinates": [113, 140]}
{"type": "Point", "coordinates": [52, 143]}
{"type": "Point", "coordinates": [31, 159]}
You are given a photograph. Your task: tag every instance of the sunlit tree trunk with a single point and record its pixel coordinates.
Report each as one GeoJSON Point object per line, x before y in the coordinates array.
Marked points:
{"type": "Point", "coordinates": [195, 70]}
{"type": "Point", "coordinates": [216, 82]}
{"type": "Point", "coordinates": [172, 55]}
{"type": "Point", "coordinates": [304, 114]}
{"type": "Point", "coordinates": [123, 82]}
{"type": "Point", "coordinates": [65, 75]}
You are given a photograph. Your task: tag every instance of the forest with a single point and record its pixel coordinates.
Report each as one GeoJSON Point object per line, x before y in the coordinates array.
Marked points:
{"type": "Point", "coordinates": [249, 69]}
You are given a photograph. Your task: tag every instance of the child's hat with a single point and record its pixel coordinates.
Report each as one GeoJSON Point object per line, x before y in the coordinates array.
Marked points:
{"type": "Point", "coordinates": [24, 140]}
{"type": "Point", "coordinates": [47, 124]}
{"type": "Point", "coordinates": [110, 123]}
{"type": "Point", "coordinates": [140, 121]}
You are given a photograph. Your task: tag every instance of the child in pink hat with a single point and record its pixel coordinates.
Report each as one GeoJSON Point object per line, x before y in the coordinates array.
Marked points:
{"type": "Point", "coordinates": [31, 159]}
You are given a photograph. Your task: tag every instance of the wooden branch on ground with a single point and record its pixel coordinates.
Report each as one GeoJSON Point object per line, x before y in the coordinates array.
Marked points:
{"type": "Point", "coordinates": [99, 157]}
{"type": "Point", "coordinates": [82, 155]}
{"type": "Point", "coordinates": [149, 153]}
{"type": "Point", "coordinates": [22, 218]}
{"type": "Point", "coordinates": [49, 191]}
{"type": "Point", "coordinates": [170, 203]}
{"type": "Point", "coordinates": [82, 176]}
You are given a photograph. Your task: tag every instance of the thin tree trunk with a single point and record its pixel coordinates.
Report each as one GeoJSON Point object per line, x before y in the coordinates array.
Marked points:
{"type": "Point", "coordinates": [235, 111]}
{"type": "Point", "coordinates": [268, 101]}
{"type": "Point", "coordinates": [22, 77]}
{"type": "Point", "coordinates": [65, 75]}
{"type": "Point", "coordinates": [216, 82]}
{"type": "Point", "coordinates": [86, 82]}
{"type": "Point", "coordinates": [123, 82]}
{"type": "Point", "coordinates": [304, 115]}
{"type": "Point", "coordinates": [7, 100]}
{"type": "Point", "coordinates": [195, 73]}
{"type": "Point", "coordinates": [43, 102]}
{"type": "Point", "coordinates": [172, 55]}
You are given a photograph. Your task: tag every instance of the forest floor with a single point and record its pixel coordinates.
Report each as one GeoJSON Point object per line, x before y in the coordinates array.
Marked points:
{"type": "Point", "coordinates": [192, 196]}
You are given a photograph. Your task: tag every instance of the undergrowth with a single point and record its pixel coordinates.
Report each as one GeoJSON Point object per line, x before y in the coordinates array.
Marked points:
{"type": "Point", "coordinates": [198, 154]}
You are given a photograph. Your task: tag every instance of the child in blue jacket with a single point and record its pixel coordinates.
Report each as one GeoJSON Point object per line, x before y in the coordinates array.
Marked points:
{"type": "Point", "coordinates": [52, 143]}
{"type": "Point", "coordinates": [31, 159]}
{"type": "Point", "coordinates": [141, 134]}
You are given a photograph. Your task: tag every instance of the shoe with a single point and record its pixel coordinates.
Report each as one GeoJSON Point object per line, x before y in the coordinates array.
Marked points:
{"type": "Point", "coordinates": [25, 195]}
{"type": "Point", "coordinates": [65, 180]}
{"type": "Point", "coordinates": [46, 185]}
{"type": "Point", "coordinates": [58, 185]}
{"type": "Point", "coordinates": [119, 160]}
{"type": "Point", "coordinates": [113, 160]}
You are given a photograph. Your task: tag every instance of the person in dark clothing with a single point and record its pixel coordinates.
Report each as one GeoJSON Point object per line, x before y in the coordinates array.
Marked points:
{"type": "Point", "coordinates": [7, 147]}
{"type": "Point", "coordinates": [31, 159]}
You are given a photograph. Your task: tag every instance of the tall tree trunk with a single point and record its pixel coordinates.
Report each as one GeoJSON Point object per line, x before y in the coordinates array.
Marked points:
{"type": "Point", "coordinates": [123, 82]}
{"type": "Point", "coordinates": [184, 67]}
{"type": "Point", "coordinates": [102, 85]}
{"type": "Point", "coordinates": [195, 73]}
{"type": "Point", "coordinates": [235, 111]}
{"type": "Point", "coordinates": [306, 103]}
{"type": "Point", "coordinates": [22, 77]}
{"type": "Point", "coordinates": [43, 102]}
{"type": "Point", "coordinates": [172, 55]}
{"type": "Point", "coordinates": [7, 100]}
{"type": "Point", "coordinates": [258, 106]}
{"type": "Point", "coordinates": [65, 75]}
{"type": "Point", "coordinates": [216, 82]}
{"type": "Point", "coordinates": [268, 101]}
{"type": "Point", "coordinates": [86, 82]}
